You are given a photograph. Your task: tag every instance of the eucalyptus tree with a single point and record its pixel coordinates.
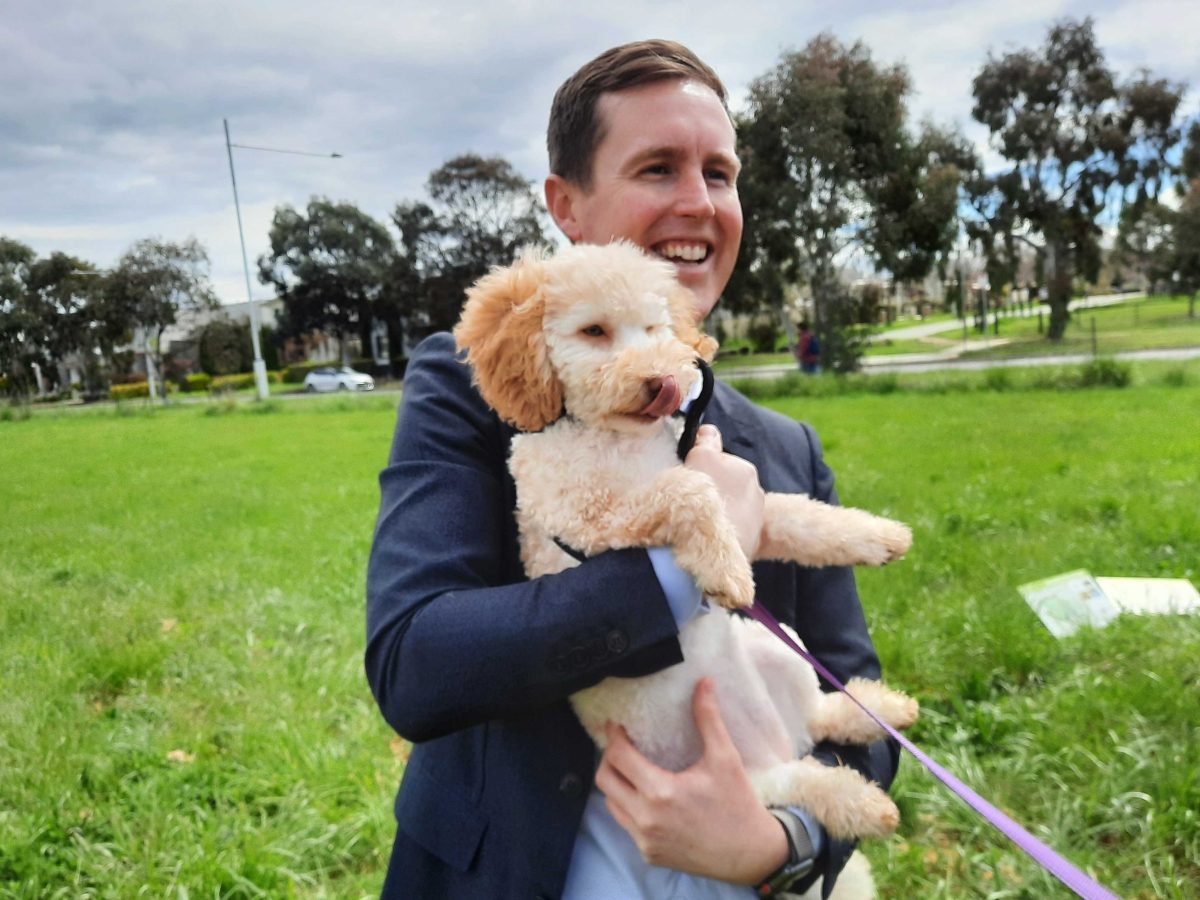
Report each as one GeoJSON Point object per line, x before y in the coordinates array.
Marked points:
{"type": "Point", "coordinates": [1076, 144]}
{"type": "Point", "coordinates": [831, 170]}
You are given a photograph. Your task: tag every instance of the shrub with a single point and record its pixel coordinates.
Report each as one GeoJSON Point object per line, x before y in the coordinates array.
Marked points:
{"type": "Point", "coordinates": [201, 381]}
{"type": "Point", "coordinates": [3, 384]}
{"type": "Point", "coordinates": [232, 382]}
{"type": "Point", "coordinates": [1105, 372]}
{"type": "Point", "coordinates": [763, 335]}
{"type": "Point", "coordinates": [997, 380]}
{"type": "Point", "coordinates": [15, 412]}
{"type": "Point", "coordinates": [130, 391]}
{"type": "Point", "coordinates": [1176, 378]}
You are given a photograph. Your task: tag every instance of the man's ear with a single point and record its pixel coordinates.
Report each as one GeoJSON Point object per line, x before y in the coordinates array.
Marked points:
{"type": "Point", "coordinates": [562, 200]}
{"type": "Point", "coordinates": [501, 330]}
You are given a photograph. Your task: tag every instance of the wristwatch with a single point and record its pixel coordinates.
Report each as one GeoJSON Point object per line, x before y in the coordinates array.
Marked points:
{"type": "Point", "coordinates": [800, 859]}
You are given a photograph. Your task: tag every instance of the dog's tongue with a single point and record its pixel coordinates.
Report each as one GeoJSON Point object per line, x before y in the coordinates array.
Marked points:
{"type": "Point", "coordinates": [666, 401]}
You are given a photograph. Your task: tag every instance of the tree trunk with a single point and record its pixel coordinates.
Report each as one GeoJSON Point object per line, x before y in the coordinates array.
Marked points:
{"type": "Point", "coordinates": [1058, 288]}
{"type": "Point", "coordinates": [366, 324]}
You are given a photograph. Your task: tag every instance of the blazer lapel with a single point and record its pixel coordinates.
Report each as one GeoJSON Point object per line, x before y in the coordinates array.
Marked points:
{"type": "Point", "coordinates": [739, 432]}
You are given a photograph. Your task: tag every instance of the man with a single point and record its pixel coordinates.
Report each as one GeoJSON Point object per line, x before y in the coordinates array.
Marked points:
{"type": "Point", "coordinates": [502, 796]}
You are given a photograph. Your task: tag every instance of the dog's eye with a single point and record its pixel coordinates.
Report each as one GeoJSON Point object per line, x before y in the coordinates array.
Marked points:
{"type": "Point", "coordinates": [595, 331]}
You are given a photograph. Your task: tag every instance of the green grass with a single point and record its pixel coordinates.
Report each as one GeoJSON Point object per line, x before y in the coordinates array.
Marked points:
{"type": "Point", "coordinates": [191, 580]}
{"type": "Point", "coordinates": [1143, 324]}
{"type": "Point", "coordinates": [1092, 742]}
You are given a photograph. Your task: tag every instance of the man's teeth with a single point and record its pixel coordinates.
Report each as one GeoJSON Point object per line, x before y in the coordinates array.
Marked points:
{"type": "Point", "coordinates": [686, 252]}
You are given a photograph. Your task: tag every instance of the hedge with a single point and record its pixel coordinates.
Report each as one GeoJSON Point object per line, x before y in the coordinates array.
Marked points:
{"type": "Point", "coordinates": [200, 381]}
{"type": "Point", "coordinates": [232, 382]}
{"type": "Point", "coordinates": [129, 391]}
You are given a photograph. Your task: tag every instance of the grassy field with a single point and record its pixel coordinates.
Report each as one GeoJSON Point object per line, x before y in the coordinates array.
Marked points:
{"type": "Point", "coordinates": [185, 714]}
{"type": "Point", "coordinates": [1140, 324]}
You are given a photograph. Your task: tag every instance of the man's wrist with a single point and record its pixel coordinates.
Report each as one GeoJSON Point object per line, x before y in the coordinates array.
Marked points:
{"type": "Point", "coordinates": [800, 860]}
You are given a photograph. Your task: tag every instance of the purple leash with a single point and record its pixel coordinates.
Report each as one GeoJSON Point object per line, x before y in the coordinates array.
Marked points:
{"type": "Point", "coordinates": [1048, 859]}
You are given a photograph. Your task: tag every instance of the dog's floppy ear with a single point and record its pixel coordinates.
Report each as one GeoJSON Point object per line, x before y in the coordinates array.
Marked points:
{"type": "Point", "coordinates": [683, 321]}
{"type": "Point", "coordinates": [501, 330]}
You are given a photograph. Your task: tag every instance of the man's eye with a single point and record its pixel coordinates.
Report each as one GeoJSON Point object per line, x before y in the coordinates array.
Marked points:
{"type": "Point", "coordinates": [593, 331]}
{"type": "Point", "coordinates": [656, 169]}
{"type": "Point", "coordinates": [718, 175]}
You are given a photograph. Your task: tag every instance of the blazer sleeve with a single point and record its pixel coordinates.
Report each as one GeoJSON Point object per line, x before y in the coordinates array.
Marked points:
{"type": "Point", "coordinates": [455, 634]}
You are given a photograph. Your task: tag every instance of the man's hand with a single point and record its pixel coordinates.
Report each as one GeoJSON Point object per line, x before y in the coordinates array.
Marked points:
{"type": "Point", "coordinates": [706, 819]}
{"type": "Point", "coordinates": [737, 482]}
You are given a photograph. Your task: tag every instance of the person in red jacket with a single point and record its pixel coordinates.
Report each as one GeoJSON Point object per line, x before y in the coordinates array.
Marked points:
{"type": "Point", "coordinates": [808, 350]}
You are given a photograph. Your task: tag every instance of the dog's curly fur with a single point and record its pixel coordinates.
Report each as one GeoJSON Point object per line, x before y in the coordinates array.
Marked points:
{"type": "Point", "coordinates": [573, 350]}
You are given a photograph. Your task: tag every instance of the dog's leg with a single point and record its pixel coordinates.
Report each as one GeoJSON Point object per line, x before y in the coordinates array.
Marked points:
{"type": "Point", "coordinates": [837, 718]}
{"type": "Point", "coordinates": [682, 510]}
{"type": "Point", "coordinates": [800, 529]}
{"type": "Point", "coordinates": [839, 798]}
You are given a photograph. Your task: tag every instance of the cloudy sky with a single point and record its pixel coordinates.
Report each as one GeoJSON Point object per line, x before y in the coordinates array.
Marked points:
{"type": "Point", "coordinates": [111, 113]}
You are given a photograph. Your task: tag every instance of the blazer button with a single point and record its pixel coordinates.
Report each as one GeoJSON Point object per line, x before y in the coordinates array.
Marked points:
{"type": "Point", "coordinates": [571, 785]}
{"type": "Point", "coordinates": [617, 641]}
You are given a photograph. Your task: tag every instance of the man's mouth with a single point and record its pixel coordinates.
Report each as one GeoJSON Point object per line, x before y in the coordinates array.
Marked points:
{"type": "Point", "coordinates": [683, 251]}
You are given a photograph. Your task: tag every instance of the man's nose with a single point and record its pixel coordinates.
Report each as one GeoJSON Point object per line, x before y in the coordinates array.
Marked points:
{"type": "Point", "coordinates": [692, 198]}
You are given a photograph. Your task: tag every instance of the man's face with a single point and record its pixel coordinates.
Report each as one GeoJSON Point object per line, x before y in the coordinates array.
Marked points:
{"type": "Point", "coordinates": [664, 176]}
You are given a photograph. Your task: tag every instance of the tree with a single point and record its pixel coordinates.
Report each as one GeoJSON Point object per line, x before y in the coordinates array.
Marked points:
{"type": "Point", "coordinates": [331, 265]}
{"type": "Point", "coordinates": [49, 309]}
{"type": "Point", "coordinates": [829, 170]}
{"type": "Point", "coordinates": [482, 213]}
{"type": "Point", "coordinates": [64, 293]}
{"type": "Point", "coordinates": [152, 283]}
{"type": "Point", "coordinates": [15, 261]}
{"type": "Point", "coordinates": [225, 347]}
{"type": "Point", "coordinates": [1145, 243]}
{"type": "Point", "coordinates": [1076, 144]}
{"type": "Point", "coordinates": [1185, 231]}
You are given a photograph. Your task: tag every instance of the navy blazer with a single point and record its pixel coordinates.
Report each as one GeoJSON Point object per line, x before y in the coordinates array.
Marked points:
{"type": "Point", "coordinates": [473, 663]}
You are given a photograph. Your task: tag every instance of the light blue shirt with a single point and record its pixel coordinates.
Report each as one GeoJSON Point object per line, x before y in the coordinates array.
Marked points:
{"type": "Point", "coordinates": [606, 863]}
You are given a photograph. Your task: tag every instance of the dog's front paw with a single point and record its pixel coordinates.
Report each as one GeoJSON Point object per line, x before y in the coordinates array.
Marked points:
{"type": "Point", "coordinates": [888, 542]}
{"type": "Point", "coordinates": [732, 589]}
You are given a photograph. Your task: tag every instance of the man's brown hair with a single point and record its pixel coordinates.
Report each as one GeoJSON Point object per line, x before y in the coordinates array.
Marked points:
{"type": "Point", "coordinates": [576, 129]}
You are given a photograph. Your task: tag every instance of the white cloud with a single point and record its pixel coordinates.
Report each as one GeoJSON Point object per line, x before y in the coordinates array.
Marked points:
{"type": "Point", "coordinates": [110, 114]}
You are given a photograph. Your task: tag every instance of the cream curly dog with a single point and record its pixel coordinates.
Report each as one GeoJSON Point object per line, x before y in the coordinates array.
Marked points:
{"type": "Point", "coordinates": [588, 353]}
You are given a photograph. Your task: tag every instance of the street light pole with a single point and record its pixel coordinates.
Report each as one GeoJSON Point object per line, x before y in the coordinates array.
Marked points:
{"type": "Point", "coordinates": [260, 367]}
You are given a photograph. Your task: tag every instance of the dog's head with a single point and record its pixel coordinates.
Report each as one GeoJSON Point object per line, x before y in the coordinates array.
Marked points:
{"type": "Point", "coordinates": [605, 332]}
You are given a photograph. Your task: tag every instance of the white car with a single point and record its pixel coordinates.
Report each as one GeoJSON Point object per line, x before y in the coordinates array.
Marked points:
{"type": "Point", "coordinates": [339, 379]}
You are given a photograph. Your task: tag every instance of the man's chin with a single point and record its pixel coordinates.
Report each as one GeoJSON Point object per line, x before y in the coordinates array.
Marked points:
{"type": "Point", "coordinates": [701, 285]}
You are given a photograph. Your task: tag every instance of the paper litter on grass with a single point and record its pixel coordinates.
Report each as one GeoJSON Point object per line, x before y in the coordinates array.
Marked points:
{"type": "Point", "coordinates": [1066, 602]}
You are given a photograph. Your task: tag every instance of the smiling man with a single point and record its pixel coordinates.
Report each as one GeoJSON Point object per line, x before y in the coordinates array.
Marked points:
{"type": "Point", "coordinates": [503, 796]}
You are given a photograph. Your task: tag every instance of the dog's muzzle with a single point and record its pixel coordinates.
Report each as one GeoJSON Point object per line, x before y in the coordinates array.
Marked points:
{"type": "Point", "coordinates": [665, 398]}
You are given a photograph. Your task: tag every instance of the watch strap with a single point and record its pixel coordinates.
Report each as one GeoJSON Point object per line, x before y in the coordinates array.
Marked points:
{"type": "Point", "coordinates": [800, 860]}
